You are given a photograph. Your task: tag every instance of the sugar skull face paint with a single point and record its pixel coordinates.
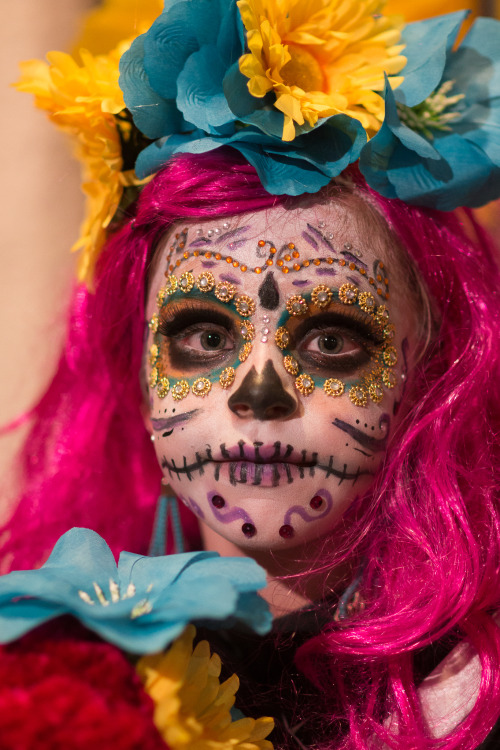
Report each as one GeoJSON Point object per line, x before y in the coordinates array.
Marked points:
{"type": "Point", "coordinates": [273, 366]}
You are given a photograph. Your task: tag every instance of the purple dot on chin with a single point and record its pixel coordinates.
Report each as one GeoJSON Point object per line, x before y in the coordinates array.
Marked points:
{"type": "Point", "coordinates": [249, 529]}
{"type": "Point", "coordinates": [286, 531]}
{"type": "Point", "coordinates": [316, 502]}
{"type": "Point", "coordinates": [218, 501]}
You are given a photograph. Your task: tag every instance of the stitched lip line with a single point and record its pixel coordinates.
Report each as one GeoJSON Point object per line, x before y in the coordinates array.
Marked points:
{"type": "Point", "coordinates": [260, 453]}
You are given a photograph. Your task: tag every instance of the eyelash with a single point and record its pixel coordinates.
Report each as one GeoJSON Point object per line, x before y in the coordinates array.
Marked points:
{"type": "Point", "coordinates": [176, 319]}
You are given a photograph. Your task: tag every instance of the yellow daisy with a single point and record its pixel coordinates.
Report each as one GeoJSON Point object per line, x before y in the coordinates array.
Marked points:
{"type": "Point", "coordinates": [192, 708]}
{"type": "Point", "coordinates": [321, 58]}
{"type": "Point", "coordinates": [82, 100]}
{"type": "Point", "coordinates": [115, 20]}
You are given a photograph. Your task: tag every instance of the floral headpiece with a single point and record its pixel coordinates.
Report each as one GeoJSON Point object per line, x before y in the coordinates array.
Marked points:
{"type": "Point", "coordinates": [301, 88]}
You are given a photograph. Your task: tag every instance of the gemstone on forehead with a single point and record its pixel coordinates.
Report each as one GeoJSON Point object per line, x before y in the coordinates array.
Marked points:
{"type": "Point", "coordinates": [205, 281]}
{"type": "Point", "coordinates": [348, 293]}
{"type": "Point", "coordinates": [333, 387]}
{"type": "Point", "coordinates": [224, 291]}
{"type": "Point", "coordinates": [321, 296]}
{"type": "Point", "coordinates": [296, 305]}
{"type": "Point", "coordinates": [244, 305]}
{"type": "Point", "coordinates": [186, 282]}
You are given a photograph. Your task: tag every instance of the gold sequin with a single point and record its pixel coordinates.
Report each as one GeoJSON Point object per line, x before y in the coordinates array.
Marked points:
{"type": "Point", "coordinates": [348, 293]}
{"type": "Point", "coordinates": [333, 387]}
{"type": "Point", "coordinates": [201, 387]}
{"type": "Point", "coordinates": [153, 377]}
{"type": "Point", "coordinates": [389, 378]}
{"type": "Point", "coordinates": [291, 364]}
{"type": "Point", "coordinates": [153, 354]}
{"type": "Point", "coordinates": [305, 384]}
{"type": "Point", "coordinates": [154, 323]}
{"type": "Point", "coordinates": [226, 378]}
{"type": "Point", "coordinates": [375, 392]}
{"type": "Point", "coordinates": [247, 330]}
{"type": "Point", "coordinates": [321, 296]}
{"type": "Point", "coordinates": [244, 305]}
{"type": "Point", "coordinates": [163, 387]}
{"type": "Point", "coordinates": [224, 291]}
{"type": "Point", "coordinates": [358, 395]}
{"type": "Point", "coordinates": [180, 390]}
{"type": "Point", "coordinates": [282, 337]}
{"type": "Point", "coordinates": [205, 281]}
{"type": "Point", "coordinates": [366, 301]}
{"type": "Point", "coordinates": [186, 282]}
{"type": "Point", "coordinates": [296, 305]}
{"type": "Point", "coordinates": [160, 297]}
{"type": "Point", "coordinates": [389, 332]}
{"type": "Point", "coordinates": [245, 351]}
{"type": "Point", "coordinates": [390, 356]}
{"type": "Point", "coordinates": [382, 314]}
{"type": "Point", "coordinates": [171, 284]}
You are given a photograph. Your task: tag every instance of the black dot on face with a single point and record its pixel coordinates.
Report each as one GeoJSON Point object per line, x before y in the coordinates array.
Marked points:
{"type": "Point", "coordinates": [286, 531]}
{"type": "Point", "coordinates": [218, 501]}
{"type": "Point", "coordinates": [373, 428]}
{"type": "Point", "coordinates": [316, 502]}
{"type": "Point", "coordinates": [357, 421]}
{"type": "Point", "coordinates": [347, 445]}
{"type": "Point", "coordinates": [173, 411]}
{"type": "Point", "coordinates": [249, 530]}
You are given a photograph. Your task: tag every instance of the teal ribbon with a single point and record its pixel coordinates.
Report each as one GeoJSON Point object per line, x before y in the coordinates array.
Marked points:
{"type": "Point", "coordinates": [167, 511]}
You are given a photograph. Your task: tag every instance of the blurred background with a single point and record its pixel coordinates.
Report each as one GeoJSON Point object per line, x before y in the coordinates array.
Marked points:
{"type": "Point", "coordinates": [42, 205]}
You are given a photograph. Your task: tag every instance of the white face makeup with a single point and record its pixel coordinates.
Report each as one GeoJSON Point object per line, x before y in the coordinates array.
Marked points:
{"type": "Point", "coordinates": [276, 355]}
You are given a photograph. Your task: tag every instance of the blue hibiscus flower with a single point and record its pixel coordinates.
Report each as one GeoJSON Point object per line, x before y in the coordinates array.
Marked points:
{"type": "Point", "coordinates": [182, 85]}
{"type": "Point", "coordinates": [142, 604]}
{"type": "Point", "coordinates": [439, 145]}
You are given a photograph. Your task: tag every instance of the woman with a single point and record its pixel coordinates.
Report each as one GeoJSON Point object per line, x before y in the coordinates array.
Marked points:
{"type": "Point", "coordinates": [319, 377]}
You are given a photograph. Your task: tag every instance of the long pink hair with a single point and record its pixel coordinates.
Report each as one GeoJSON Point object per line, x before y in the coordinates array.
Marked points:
{"type": "Point", "coordinates": [430, 531]}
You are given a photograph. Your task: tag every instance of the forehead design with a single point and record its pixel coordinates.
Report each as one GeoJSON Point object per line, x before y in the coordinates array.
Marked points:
{"type": "Point", "coordinates": [357, 291]}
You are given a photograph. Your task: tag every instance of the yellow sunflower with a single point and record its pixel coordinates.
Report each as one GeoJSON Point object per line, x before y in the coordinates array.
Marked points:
{"type": "Point", "coordinates": [192, 708]}
{"type": "Point", "coordinates": [82, 100]}
{"type": "Point", "coordinates": [114, 20]}
{"type": "Point", "coordinates": [321, 58]}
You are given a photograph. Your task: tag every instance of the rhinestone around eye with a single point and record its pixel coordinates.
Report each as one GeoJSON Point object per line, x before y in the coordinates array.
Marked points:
{"type": "Point", "coordinates": [375, 392]}
{"type": "Point", "coordinates": [224, 291]}
{"type": "Point", "coordinates": [366, 301]}
{"type": "Point", "coordinates": [296, 305]}
{"type": "Point", "coordinates": [153, 377]}
{"type": "Point", "coordinates": [180, 390]}
{"type": "Point", "coordinates": [247, 330]}
{"type": "Point", "coordinates": [201, 386]}
{"type": "Point", "coordinates": [205, 281]}
{"type": "Point", "coordinates": [186, 282]}
{"type": "Point", "coordinates": [171, 285]}
{"type": "Point", "coordinates": [358, 395]}
{"type": "Point", "coordinates": [245, 305]}
{"type": "Point", "coordinates": [348, 294]}
{"type": "Point", "coordinates": [154, 323]}
{"type": "Point", "coordinates": [282, 337]}
{"type": "Point", "coordinates": [226, 378]}
{"type": "Point", "coordinates": [153, 354]}
{"type": "Point", "coordinates": [291, 365]}
{"type": "Point", "coordinates": [389, 332]}
{"type": "Point", "coordinates": [163, 387]}
{"type": "Point", "coordinates": [389, 378]}
{"type": "Point", "coordinates": [321, 296]}
{"type": "Point", "coordinates": [160, 297]}
{"type": "Point", "coordinates": [390, 356]}
{"type": "Point", "coordinates": [333, 387]}
{"type": "Point", "coordinates": [245, 351]}
{"type": "Point", "coordinates": [382, 314]}
{"type": "Point", "coordinates": [305, 384]}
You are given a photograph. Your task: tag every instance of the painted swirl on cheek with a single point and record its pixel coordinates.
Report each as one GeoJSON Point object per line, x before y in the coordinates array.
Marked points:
{"type": "Point", "coordinates": [298, 510]}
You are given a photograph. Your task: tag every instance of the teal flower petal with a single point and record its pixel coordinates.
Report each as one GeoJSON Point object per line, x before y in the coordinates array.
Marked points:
{"type": "Point", "coordinates": [142, 604]}
{"type": "Point", "coordinates": [201, 97]}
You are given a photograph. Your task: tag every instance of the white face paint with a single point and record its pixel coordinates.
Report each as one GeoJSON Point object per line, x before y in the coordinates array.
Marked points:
{"type": "Point", "coordinates": [272, 392]}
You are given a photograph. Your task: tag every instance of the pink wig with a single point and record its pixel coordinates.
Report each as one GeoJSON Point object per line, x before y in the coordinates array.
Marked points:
{"type": "Point", "coordinates": [89, 460]}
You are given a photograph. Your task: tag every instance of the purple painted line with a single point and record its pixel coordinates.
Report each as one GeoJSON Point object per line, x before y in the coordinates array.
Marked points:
{"type": "Point", "coordinates": [230, 279]}
{"type": "Point", "coordinates": [192, 505]}
{"type": "Point", "coordinates": [231, 233]}
{"type": "Point", "coordinates": [326, 271]}
{"type": "Point", "coordinates": [298, 510]}
{"type": "Point", "coordinates": [300, 282]}
{"type": "Point", "coordinates": [200, 242]}
{"type": "Point", "coordinates": [208, 263]}
{"type": "Point", "coordinates": [310, 239]}
{"type": "Point", "coordinates": [321, 237]}
{"type": "Point", "coordinates": [229, 515]}
{"type": "Point", "coordinates": [352, 280]}
{"type": "Point", "coordinates": [236, 243]}
{"type": "Point", "coordinates": [169, 422]}
{"type": "Point", "coordinates": [352, 259]}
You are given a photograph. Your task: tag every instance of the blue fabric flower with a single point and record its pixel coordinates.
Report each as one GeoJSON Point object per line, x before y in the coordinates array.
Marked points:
{"type": "Point", "coordinates": [142, 604]}
{"type": "Point", "coordinates": [182, 84]}
{"type": "Point", "coordinates": [439, 145]}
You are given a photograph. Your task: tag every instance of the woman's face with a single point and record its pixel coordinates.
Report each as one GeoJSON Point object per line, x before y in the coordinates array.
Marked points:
{"type": "Point", "coordinates": [276, 358]}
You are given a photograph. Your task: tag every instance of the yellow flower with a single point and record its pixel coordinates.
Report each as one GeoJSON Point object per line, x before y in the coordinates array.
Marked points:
{"type": "Point", "coordinates": [83, 100]}
{"type": "Point", "coordinates": [192, 708]}
{"type": "Point", "coordinates": [114, 20]}
{"type": "Point", "coordinates": [321, 58]}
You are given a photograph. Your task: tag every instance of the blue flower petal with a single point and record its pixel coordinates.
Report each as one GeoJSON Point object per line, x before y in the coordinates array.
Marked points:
{"type": "Point", "coordinates": [201, 98]}
{"type": "Point", "coordinates": [153, 115]}
{"type": "Point", "coordinates": [427, 45]}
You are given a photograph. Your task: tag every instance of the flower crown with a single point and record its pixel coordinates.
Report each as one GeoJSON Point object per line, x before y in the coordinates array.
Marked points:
{"type": "Point", "coordinates": [301, 88]}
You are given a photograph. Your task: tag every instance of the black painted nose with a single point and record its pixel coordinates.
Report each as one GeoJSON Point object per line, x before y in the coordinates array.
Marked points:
{"type": "Point", "coordinates": [262, 396]}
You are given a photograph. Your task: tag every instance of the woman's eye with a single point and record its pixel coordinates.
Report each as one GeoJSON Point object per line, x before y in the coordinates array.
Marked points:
{"type": "Point", "coordinates": [333, 350]}
{"type": "Point", "coordinates": [210, 340]}
{"type": "Point", "coordinates": [330, 343]}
